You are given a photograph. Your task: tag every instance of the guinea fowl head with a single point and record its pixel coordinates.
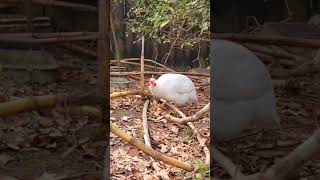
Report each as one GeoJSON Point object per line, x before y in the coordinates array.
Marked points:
{"type": "Point", "coordinates": [152, 83]}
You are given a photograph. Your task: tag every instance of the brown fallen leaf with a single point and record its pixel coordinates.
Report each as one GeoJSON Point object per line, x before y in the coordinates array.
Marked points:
{"type": "Point", "coordinates": [133, 151]}
{"type": "Point", "coordinates": [174, 129]}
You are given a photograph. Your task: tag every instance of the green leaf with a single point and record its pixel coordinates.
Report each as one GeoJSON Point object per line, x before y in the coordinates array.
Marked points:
{"type": "Point", "coordinates": [171, 9]}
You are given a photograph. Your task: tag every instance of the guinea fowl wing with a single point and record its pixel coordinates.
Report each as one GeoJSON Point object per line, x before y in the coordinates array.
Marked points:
{"type": "Point", "coordinates": [185, 86]}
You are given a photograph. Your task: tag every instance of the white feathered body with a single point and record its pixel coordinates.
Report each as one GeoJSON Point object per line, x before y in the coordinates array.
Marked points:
{"type": "Point", "coordinates": [242, 90]}
{"type": "Point", "coordinates": [176, 88]}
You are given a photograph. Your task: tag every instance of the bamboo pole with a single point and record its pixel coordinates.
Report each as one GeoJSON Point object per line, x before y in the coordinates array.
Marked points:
{"type": "Point", "coordinates": [158, 73]}
{"type": "Point", "coordinates": [137, 64]}
{"type": "Point", "coordinates": [28, 104]}
{"type": "Point", "coordinates": [142, 66]}
{"type": "Point", "coordinates": [149, 60]}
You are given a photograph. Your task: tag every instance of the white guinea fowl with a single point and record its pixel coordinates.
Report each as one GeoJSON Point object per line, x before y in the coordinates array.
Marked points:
{"type": "Point", "coordinates": [242, 90]}
{"type": "Point", "coordinates": [176, 88]}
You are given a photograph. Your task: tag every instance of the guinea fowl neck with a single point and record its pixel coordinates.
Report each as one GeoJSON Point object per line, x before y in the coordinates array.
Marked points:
{"type": "Point", "coordinates": [154, 89]}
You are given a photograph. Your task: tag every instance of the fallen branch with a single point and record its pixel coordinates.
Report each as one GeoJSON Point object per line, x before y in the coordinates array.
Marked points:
{"type": "Point", "coordinates": [227, 164]}
{"type": "Point", "coordinates": [296, 159]}
{"type": "Point", "coordinates": [47, 101]}
{"type": "Point", "coordinates": [127, 93]}
{"type": "Point", "coordinates": [86, 110]}
{"type": "Point", "coordinates": [145, 124]}
{"type": "Point", "coordinates": [154, 154]}
{"type": "Point", "coordinates": [192, 118]}
{"type": "Point", "coordinates": [196, 132]}
{"type": "Point", "coordinates": [283, 169]}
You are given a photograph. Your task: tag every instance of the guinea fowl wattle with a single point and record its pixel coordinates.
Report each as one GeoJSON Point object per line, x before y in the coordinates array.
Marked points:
{"type": "Point", "coordinates": [176, 88]}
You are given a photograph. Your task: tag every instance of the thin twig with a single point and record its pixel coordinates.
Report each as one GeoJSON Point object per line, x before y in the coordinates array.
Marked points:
{"type": "Point", "coordinates": [145, 124]}
{"type": "Point", "coordinates": [196, 132]}
{"type": "Point", "coordinates": [192, 118]}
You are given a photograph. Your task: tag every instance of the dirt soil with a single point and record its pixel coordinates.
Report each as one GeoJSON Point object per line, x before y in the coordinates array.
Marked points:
{"type": "Point", "coordinates": [171, 139]}
{"type": "Point", "coordinates": [42, 142]}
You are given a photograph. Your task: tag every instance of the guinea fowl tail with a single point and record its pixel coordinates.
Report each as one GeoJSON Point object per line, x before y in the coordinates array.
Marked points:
{"type": "Point", "coordinates": [194, 98]}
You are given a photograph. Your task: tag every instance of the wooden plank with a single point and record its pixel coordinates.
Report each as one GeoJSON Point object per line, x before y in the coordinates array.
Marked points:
{"type": "Point", "coordinates": [27, 38]}
{"type": "Point", "coordinates": [73, 6]}
{"type": "Point", "coordinates": [23, 20]}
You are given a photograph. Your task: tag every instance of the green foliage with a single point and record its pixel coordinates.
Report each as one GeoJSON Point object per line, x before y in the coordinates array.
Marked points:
{"type": "Point", "coordinates": [202, 168]}
{"type": "Point", "coordinates": [182, 21]}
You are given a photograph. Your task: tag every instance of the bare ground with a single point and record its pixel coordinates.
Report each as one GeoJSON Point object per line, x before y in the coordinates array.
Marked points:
{"type": "Point", "coordinates": [174, 140]}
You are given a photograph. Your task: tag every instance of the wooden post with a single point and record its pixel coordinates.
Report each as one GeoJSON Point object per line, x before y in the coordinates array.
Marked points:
{"type": "Point", "coordinates": [142, 66]}
{"type": "Point", "coordinates": [104, 72]}
{"type": "Point", "coordinates": [28, 14]}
